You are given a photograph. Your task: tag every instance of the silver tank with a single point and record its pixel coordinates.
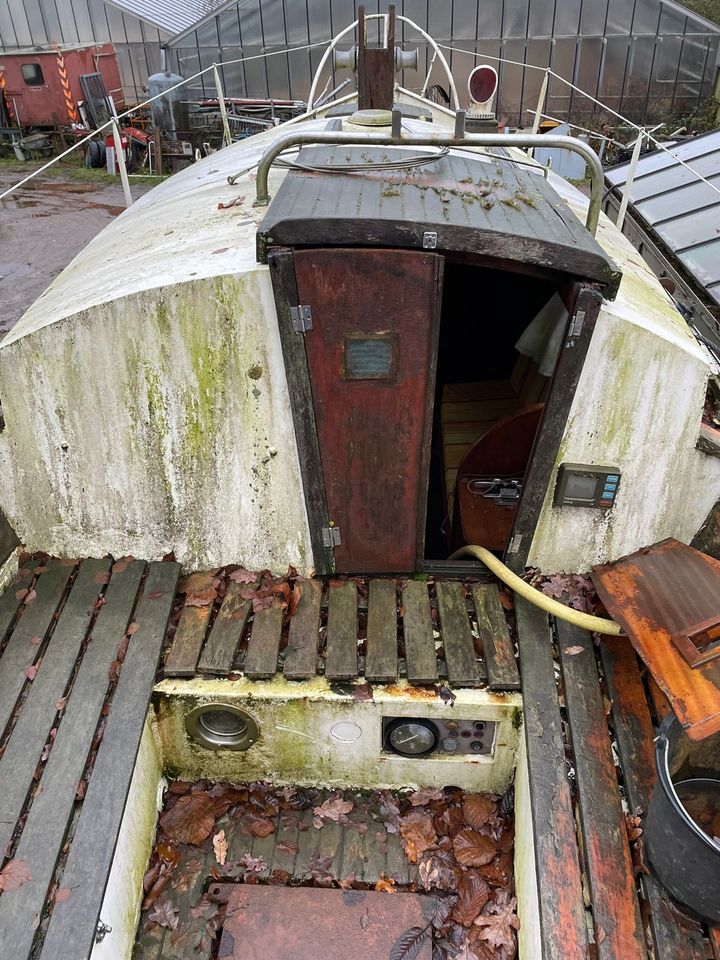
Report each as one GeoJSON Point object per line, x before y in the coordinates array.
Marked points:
{"type": "Point", "coordinates": [169, 112]}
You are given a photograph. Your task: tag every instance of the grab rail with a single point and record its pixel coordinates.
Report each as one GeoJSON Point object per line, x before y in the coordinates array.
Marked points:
{"type": "Point", "coordinates": [262, 195]}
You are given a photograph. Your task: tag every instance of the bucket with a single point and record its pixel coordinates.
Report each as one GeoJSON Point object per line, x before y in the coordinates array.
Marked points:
{"type": "Point", "coordinates": [683, 818]}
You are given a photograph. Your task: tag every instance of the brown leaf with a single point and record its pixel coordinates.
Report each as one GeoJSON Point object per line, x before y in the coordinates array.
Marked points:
{"type": "Point", "coordinates": [132, 629]}
{"type": "Point", "coordinates": [573, 651]}
{"type": "Point", "coordinates": [258, 826]}
{"type": "Point", "coordinates": [190, 820]}
{"type": "Point", "coordinates": [165, 915]}
{"type": "Point", "coordinates": [422, 797]}
{"type": "Point", "coordinates": [290, 849]}
{"type": "Point", "coordinates": [499, 923]}
{"type": "Point", "coordinates": [473, 849]}
{"type": "Point", "coordinates": [62, 894]}
{"type": "Point", "coordinates": [477, 809]}
{"type": "Point", "coordinates": [14, 875]}
{"type": "Point", "coordinates": [385, 884]}
{"type": "Point", "coordinates": [31, 671]}
{"type": "Point", "coordinates": [220, 847]}
{"type": "Point", "coordinates": [242, 576]}
{"type": "Point", "coordinates": [334, 808]}
{"type": "Point", "coordinates": [119, 567]}
{"type": "Point", "coordinates": [418, 833]}
{"type": "Point", "coordinates": [438, 871]}
{"type": "Point", "coordinates": [473, 894]}
{"type": "Point", "coordinates": [29, 597]}
{"type": "Point", "coordinates": [279, 877]}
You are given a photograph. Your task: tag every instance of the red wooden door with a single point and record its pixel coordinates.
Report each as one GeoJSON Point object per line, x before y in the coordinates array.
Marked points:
{"type": "Point", "coordinates": [371, 356]}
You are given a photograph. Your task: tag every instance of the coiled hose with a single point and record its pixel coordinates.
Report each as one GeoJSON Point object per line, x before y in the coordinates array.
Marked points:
{"type": "Point", "coordinates": [585, 621]}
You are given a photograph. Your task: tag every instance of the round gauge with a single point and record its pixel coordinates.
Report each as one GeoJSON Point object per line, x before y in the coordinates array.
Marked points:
{"type": "Point", "coordinates": [411, 738]}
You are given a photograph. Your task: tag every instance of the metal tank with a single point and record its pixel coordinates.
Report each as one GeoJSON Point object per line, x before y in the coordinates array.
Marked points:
{"type": "Point", "coordinates": [169, 112]}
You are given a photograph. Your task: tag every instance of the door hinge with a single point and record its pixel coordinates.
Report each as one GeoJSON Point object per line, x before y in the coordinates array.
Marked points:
{"type": "Point", "coordinates": [429, 240]}
{"type": "Point", "coordinates": [331, 536]}
{"type": "Point", "coordinates": [577, 324]}
{"type": "Point", "coordinates": [301, 317]}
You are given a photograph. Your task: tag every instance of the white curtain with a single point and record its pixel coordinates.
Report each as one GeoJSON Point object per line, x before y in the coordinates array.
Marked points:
{"type": "Point", "coordinates": [542, 340]}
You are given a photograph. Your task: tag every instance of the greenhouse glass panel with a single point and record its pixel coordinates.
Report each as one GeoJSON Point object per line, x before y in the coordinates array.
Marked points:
{"type": "Point", "coordinates": [515, 19]}
{"type": "Point", "coordinates": [229, 28]}
{"type": "Point", "coordinates": [592, 19]}
{"type": "Point", "coordinates": [647, 17]}
{"type": "Point", "coordinates": [620, 16]}
{"type": "Point", "coordinates": [490, 19]}
{"type": "Point", "coordinates": [542, 16]}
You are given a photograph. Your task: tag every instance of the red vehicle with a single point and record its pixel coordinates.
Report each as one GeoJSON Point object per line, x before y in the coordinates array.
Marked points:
{"type": "Point", "coordinates": [43, 88]}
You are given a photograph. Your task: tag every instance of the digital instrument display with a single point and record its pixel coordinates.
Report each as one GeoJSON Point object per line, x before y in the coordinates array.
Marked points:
{"type": "Point", "coordinates": [585, 485]}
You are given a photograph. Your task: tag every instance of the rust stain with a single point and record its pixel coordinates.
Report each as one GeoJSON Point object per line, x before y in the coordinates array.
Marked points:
{"type": "Point", "coordinates": [412, 693]}
{"type": "Point", "coordinates": [656, 594]}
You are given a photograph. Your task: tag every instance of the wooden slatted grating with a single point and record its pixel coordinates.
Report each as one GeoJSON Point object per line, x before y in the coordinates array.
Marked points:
{"type": "Point", "coordinates": [585, 706]}
{"type": "Point", "coordinates": [381, 630]}
{"type": "Point", "coordinates": [79, 648]}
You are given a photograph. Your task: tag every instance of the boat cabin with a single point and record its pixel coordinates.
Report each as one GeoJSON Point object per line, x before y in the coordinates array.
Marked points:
{"type": "Point", "coordinates": [250, 682]}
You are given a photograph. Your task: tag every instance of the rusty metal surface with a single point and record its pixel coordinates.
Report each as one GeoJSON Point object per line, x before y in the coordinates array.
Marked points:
{"type": "Point", "coordinates": [659, 592]}
{"type": "Point", "coordinates": [309, 923]}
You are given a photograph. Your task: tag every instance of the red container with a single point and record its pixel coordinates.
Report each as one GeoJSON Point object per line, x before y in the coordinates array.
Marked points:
{"type": "Point", "coordinates": [42, 89]}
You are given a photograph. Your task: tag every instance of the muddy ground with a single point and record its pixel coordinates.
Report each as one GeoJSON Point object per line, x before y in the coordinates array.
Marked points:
{"type": "Point", "coordinates": [42, 227]}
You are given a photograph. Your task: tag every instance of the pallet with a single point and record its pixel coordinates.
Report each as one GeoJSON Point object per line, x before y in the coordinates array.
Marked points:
{"type": "Point", "coordinates": [80, 647]}
{"type": "Point", "coordinates": [582, 850]}
{"type": "Point", "coordinates": [379, 630]}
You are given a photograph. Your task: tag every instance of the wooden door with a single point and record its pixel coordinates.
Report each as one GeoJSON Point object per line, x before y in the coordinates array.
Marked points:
{"type": "Point", "coordinates": [371, 357]}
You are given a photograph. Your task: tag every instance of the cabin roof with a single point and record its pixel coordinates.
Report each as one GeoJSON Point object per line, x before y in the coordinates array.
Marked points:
{"type": "Point", "coordinates": [474, 205]}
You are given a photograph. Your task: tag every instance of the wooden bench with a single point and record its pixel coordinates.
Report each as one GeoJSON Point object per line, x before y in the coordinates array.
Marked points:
{"type": "Point", "coordinates": [580, 699]}
{"type": "Point", "coordinates": [79, 648]}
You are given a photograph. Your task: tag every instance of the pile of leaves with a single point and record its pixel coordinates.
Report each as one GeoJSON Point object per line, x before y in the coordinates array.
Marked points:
{"type": "Point", "coordinates": [461, 844]}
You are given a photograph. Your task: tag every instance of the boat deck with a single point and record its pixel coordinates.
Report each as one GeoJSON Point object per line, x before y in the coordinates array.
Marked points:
{"type": "Point", "coordinates": [81, 644]}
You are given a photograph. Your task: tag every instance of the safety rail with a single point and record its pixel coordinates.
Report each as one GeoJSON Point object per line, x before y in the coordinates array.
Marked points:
{"type": "Point", "coordinates": [262, 194]}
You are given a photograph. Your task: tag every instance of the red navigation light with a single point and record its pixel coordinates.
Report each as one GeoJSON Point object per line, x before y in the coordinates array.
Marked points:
{"type": "Point", "coordinates": [482, 86]}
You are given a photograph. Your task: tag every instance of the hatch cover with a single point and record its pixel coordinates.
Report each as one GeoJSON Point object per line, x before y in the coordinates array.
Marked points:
{"type": "Point", "coordinates": [307, 923]}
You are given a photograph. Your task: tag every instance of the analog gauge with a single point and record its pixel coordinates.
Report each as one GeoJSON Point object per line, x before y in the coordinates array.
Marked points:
{"type": "Point", "coordinates": [411, 738]}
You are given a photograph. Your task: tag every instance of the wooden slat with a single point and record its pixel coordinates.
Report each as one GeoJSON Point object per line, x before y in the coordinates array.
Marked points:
{"type": "Point", "coordinates": [341, 653]}
{"type": "Point", "coordinates": [26, 641]}
{"type": "Point", "coordinates": [264, 644]}
{"type": "Point", "coordinates": [9, 603]}
{"type": "Point", "coordinates": [45, 828]}
{"type": "Point", "coordinates": [219, 651]}
{"type": "Point", "coordinates": [302, 648]}
{"type": "Point", "coordinates": [71, 932]}
{"type": "Point", "coordinates": [184, 652]}
{"type": "Point", "coordinates": [32, 730]}
{"type": "Point", "coordinates": [381, 657]}
{"type": "Point", "coordinates": [462, 666]}
{"type": "Point", "coordinates": [616, 912]}
{"type": "Point", "coordinates": [715, 942]}
{"type": "Point", "coordinates": [672, 939]}
{"type": "Point", "coordinates": [498, 649]}
{"type": "Point", "coordinates": [420, 658]}
{"type": "Point", "coordinates": [560, 903]}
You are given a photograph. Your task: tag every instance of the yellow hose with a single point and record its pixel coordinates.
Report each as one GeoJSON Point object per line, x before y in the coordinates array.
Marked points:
{"type": "Point", "coordinates": [583, 620]}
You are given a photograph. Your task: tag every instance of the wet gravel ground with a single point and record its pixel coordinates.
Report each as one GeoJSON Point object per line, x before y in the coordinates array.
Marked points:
{"type": "Point", "coordinates": [42, 227]}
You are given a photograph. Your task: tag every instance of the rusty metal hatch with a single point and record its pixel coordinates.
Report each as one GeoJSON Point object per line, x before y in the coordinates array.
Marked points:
{"type": "Point", "coordinates": [309, 923]}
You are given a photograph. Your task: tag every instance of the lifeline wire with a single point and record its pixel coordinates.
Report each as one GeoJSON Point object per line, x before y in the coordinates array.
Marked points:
{"type": "Point", "coordinates": [145, 103]}
{"type": "Point", "coordinates": [550, 72]}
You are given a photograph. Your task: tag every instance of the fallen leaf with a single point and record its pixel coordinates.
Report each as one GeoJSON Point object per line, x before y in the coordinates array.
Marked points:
{"type": "Point", "coordinates": [318, 867]}
{"type": "Point", "coordinates": [119, 567]}
{"type": "Point", "coordinates": [279, 877]}
{"type": "Point", "coordinates": [31, 672]}
{"type": "Point", "coordinates": [334, 808]}
{"type": "Point", "coordinates": [165, 915]}
{"type": "Point", "coordinates": [242, 576]}
{"type": "Point", "coordinates": [385, 884]}
{"type": "Point", "coordinates": [573, 651]}
{"type": "Point", "coordinates": [499, 923]}
{"type": "Point", "coordinates": [220, 847]}
{"type": "Point", "coordinates": [21, 594]}
{"type": "Point", "coordinates": [477, 810]}
{"type": "Point", "coordinates": [422, 797]}
{"type": "Point", "coordinates": [418, 833]}
{"type": "Point", "coordinates": [257, 825]}
{"type": "Point", "coordinates": [473, 849]}
{"type": "Point", "coordinates": [132, 629]}
{"type": "Point", "coordinates": [285, 846]}
{"type": "Point", "coordinates": [409, 944]}
{"type": "Point", "coordinates": [14, 875]}
{"type": "Point", "coordinates": [29, 596]}
{"type": "Point", "coordinates": [252, 864]}
{"type": "Point", "coordinates": [473, 894]}
{"type": "Point", "coordinates": [190, 820]}
{"type": "Point", "coordinates": [62, 894]}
